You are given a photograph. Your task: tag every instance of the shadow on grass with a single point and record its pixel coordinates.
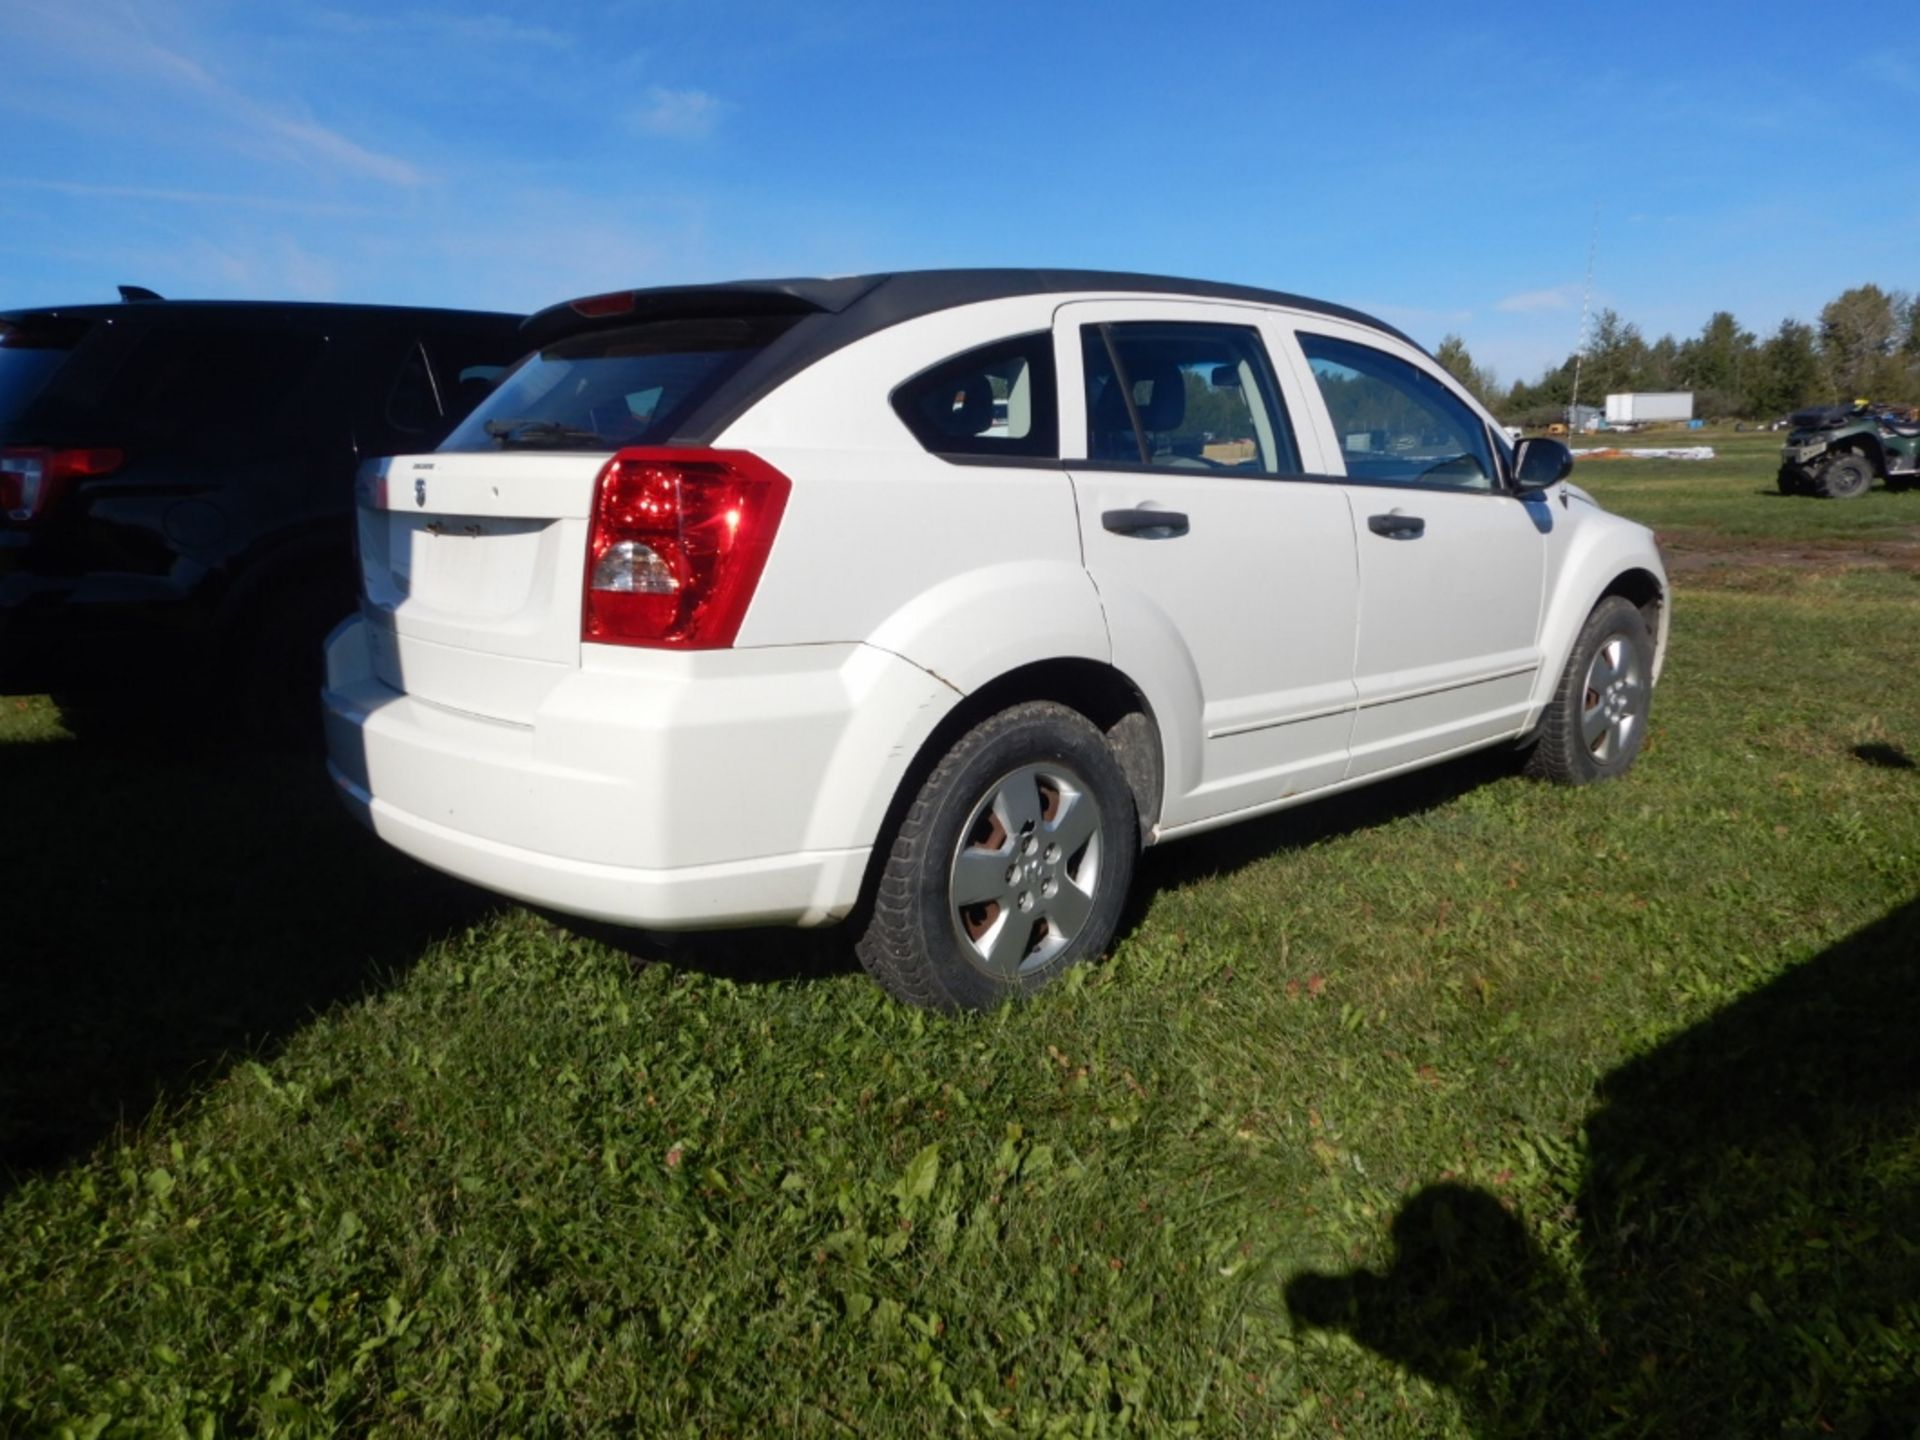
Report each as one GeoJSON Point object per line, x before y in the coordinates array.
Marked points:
{"type": "Point", "coordinates": [1749, 1234]}
{"type": "Point", "coordinates": [754, 957]}
{"type": "Point", "coordinates": [1883, 755]}
{"type": "Point", "coordinates": [165, 910]}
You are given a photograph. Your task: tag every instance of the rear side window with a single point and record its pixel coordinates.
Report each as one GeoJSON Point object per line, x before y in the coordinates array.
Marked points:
{"type": "Point", "coordinates": [1184, 396]}
{"type": "Point", "coordinates": [997, 400]}
{"type": "Point", "coordinates": [193, 385]}
{"type": "Point", "coordinates": [610, 388]}
{"type": "Point", "coordinates": [1396, 423]}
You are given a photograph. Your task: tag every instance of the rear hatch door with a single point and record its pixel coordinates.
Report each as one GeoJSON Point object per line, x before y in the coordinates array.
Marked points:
{"type": "Point", "coordinates": [474, 558]}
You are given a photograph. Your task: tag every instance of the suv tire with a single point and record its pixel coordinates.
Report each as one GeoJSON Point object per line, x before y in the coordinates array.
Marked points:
{"type": "Point", "coordinates": [1011, 864]}
{"type": "Point", "coordinates": [1596, 721]}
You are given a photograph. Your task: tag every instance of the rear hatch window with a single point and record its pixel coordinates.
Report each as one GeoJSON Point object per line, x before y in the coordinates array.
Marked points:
{"type": "Point", "coordinates": [31, 353]}
{"type": "Point", "coordinates": [607, 389]}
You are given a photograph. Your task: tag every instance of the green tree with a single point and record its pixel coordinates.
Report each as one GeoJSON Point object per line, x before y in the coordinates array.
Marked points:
{"type": "Point", "coordinates": [1787, 373]}
{"type": "Point", "coordinates": [1457, 361]}
{"type": "Point", "coordinates": [1615, 359]}
{"type": "Point", "coordinates": [1857, 331]}
{"type": "Point", "coordinates": [1714, 365]}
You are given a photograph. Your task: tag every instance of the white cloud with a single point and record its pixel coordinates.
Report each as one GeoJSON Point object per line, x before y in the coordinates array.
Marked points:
{"type": "Point", "coordinates": [113, 39]}
{"type": "Point", "coordinates": [163, 195]}
{"type": "Point", "coordinates": [680, 114]}
{"type": "Point", "coordinates": [1529, 301]}
{"type": "Point", "coordinates": [484, 30]}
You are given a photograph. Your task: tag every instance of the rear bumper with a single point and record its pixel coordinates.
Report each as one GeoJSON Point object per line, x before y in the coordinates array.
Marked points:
{"type": "Point", "coordinates": [671, 791]}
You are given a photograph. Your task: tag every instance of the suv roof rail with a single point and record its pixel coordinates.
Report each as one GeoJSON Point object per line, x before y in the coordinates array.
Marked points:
{"type": "Point", "coordinates": [138, 292]}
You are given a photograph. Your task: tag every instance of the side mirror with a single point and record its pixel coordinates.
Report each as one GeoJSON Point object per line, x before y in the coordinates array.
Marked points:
{"type": "Point", "coordinates": [1538, 463]}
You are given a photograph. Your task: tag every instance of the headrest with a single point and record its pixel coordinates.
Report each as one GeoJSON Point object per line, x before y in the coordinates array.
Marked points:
{"type": "Point", "coordinates": [1159, 394]}
{"type": "Point", "coordinates": [966, 409]}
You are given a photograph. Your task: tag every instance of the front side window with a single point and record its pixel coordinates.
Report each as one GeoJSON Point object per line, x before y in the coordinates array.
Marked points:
{"type": "Point", "coordinates": [1184, 396]}
{"type": "Point", "coordinates": [996, 400]}
{"type": "Point", "coordinates": [610, 388]}
{"type": "Point", "coordinates": [1397, 424]}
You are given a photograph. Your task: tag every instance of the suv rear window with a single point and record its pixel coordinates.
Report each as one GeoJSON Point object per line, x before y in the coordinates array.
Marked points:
{"type": "Point", "coordinates": [610, 388]}
{"type": "Point", "coordinates": [29, 354]}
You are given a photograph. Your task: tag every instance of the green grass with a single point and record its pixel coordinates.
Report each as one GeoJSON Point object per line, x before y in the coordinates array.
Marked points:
{"type": "Point", "coordinates": [1733, 502]}
{"type": "Point", "coordinates": [1465, 1105]}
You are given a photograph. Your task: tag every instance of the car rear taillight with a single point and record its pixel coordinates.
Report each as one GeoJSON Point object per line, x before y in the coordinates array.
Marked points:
{"type": "Point", "coordinates": [31, 479]}
{"type": "Point", "coordinates": [675, 546]}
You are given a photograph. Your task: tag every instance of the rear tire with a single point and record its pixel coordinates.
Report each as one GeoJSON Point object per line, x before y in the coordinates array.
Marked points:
{"type": "Point", "coordinates": [1011, 864]}
{"type": "Point", "coordinates": [1846, 477]}
{"type": "Point", "coordinates": [1597, 720]}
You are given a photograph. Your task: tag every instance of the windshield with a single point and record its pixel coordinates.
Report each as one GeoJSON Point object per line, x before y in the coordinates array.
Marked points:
{"type": "Point", "coordinates": [612, 388]}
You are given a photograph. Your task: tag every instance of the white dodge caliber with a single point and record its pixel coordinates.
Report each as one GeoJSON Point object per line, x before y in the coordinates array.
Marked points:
{"type": "Point", "coordinates": [928, 599]}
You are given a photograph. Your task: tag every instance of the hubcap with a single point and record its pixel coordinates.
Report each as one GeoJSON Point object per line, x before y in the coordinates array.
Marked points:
{"type": "Point", "coordinates": [1026, 869]}
{"type": "Point", "coordinates": [1613, 699]}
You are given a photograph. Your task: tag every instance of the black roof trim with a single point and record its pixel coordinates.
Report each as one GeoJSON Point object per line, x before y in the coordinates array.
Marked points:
{"type": "Point", "coordinates": [853, 307]}
{"type": "Point", "coordinates": [174, 309]}
{"type": "Point", "coordinates": [891, 298]}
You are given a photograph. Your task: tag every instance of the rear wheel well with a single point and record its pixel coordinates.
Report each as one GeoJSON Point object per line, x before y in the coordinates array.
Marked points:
{"type": "Point", "coordinates": [1097, 691]}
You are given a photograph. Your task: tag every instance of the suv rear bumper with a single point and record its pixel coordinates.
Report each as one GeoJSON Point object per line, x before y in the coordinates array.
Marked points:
{"type": "Point", "coordinates": [666, 790]}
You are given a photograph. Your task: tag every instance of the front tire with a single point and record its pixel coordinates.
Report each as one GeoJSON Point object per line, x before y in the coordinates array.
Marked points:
{"type": "Point", "coordinates": [1597, 720]}
{"type": "Point", "coordinates": [1011, 864]}
{"type": "Point", "coordinates": [1846, 478]}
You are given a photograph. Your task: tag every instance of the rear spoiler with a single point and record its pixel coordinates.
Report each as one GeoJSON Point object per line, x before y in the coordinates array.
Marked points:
{"type": "Point", "coordinates": [702, 302]}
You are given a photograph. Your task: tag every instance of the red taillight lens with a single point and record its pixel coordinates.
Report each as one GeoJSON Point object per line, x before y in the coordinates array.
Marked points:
{"type": "Point", "coordinates": [676, 544]}
{"type": "Point", "coordinates": [30, 479]}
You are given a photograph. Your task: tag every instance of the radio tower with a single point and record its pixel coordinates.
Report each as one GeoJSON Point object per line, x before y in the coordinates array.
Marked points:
{"type": "Point", "coordinates": [1586, 305]}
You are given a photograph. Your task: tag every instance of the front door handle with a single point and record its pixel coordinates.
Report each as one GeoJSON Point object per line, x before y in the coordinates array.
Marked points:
{"type": "Point", "coordinates": [1396, 526]}
{"type": "Point", "coordinates": [1143, 524]}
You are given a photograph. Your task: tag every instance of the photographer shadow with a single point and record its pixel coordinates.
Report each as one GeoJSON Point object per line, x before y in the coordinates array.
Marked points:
{"type": "Point", "coordinates": [1749, 1256]}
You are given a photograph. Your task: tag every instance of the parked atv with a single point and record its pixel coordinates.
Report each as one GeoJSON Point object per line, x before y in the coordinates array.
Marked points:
{"type": "Point", "coordinates": [1837, 451]}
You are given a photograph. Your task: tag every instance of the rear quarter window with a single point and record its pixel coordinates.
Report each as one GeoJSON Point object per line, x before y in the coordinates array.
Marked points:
{"type": "Point", "coordinates": [199, 385]}
{"type": "Point", "coordinates": [998, 400]}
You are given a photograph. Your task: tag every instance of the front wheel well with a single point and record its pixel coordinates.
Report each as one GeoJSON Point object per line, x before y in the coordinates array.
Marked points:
{"type": "Point", "coordinates": [1641, 589]}
{"type": "Point", "coordinates": [1867, 448]}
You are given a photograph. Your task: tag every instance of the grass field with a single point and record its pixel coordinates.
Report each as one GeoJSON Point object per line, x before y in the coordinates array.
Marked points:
{"type": "Point", "coordinates": [1464, 1105]}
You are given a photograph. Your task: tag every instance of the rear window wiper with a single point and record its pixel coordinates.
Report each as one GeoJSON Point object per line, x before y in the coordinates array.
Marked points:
{"type": "Point", "coordinates": [541, 432]}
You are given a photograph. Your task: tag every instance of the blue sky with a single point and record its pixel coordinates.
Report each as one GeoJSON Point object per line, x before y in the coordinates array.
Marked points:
{"type": "Point", "coordinates": [1436, 164]}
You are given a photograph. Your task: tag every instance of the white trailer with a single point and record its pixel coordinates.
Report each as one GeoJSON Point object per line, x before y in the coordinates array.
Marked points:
{"type": "Point", "coordinates": [1642, 407]}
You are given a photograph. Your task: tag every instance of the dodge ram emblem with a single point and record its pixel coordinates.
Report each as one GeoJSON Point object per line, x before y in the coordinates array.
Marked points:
{"type": "Point", "coordinates": [420, 490]}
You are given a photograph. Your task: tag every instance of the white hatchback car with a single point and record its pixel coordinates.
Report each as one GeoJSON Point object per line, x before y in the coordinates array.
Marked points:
{"type": "Point", "coordinates": [931, 598]}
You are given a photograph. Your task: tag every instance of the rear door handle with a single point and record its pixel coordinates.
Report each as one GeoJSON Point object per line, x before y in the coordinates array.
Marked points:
{"type": "Point", "coordinates": [1144, 524]}
{"type": "Point", "coordinates": [1396, 526]}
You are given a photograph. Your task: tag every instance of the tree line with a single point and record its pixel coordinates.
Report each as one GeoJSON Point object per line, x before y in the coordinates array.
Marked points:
{"type": "Point", "coordinates": [1866, 346]}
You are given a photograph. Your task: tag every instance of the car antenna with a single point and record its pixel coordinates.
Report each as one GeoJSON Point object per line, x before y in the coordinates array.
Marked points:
{"type": "Point", "coordinates": [137, 292]}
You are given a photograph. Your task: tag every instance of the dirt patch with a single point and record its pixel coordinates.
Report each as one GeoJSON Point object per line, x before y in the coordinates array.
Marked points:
{"type": "Point", "coordinates": [1695, 550]}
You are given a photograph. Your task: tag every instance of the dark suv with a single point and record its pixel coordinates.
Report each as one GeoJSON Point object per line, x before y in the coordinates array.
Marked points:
{"type": "Point", "coordinates": [176, 484]}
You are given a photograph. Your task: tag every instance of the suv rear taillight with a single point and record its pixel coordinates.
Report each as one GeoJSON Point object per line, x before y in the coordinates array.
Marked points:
{"type": "Point", "coordinates": [31, 479]}
{"type": "Point", "coordinates": [675, 546]}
